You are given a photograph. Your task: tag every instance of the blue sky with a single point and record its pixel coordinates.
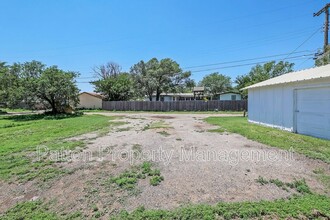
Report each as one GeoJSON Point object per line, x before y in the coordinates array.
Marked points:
{"type": "Point", "coordinates": [79, 34]}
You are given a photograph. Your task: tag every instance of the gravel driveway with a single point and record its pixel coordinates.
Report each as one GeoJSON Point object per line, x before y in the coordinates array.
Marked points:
{"type": "Point", "coordinates": [198, 166]}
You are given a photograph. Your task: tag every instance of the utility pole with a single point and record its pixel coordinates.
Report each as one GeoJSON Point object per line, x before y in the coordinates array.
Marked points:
{"type": "Point", "coordinates": [325, 10]}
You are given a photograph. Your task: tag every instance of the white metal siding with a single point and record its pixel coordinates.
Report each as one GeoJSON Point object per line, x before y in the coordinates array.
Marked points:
{"type": "Point", "coordinates": [313, 112]}
{"type": "Point", "coordinates": [274, 106]}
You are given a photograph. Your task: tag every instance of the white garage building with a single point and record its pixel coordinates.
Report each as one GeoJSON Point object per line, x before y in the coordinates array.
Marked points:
{"type": "Point", "coordinates": [297, 102]}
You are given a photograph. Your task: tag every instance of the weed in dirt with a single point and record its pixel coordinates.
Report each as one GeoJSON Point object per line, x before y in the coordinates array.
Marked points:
{"type": "Point", "coordinates": [178, 139]}
{"type": "Point", "coordinates": [156, 125]}
{"type": "Point", "coordinates": [137, 148]}
{"type": "Point", "coordinates": [323, 177]}
{"type": "Point", "coordinates": [164, 133]}
{"type": "Point", "coordinates": [155, 180]}
{"type": "Point", "coordinates": [124, 129]}
{"type": "Point", "coordinates": [308, 206]}
{"type": "Point", "coordinates": [297, 207]}
{"type": "Point", "coordinates": [299, 185]}
{"type": "Point", "coordinates": [261, 180]}
{"type": "Point", "coordinates": [128, 179]}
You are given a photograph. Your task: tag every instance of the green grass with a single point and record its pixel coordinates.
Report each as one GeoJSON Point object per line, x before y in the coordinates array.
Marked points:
{"type": "Point", "coordinates": [16, 110]}
{"type": "Point", "coordinates": [309, 206]}
{"type": "Point", "coordinates": [128, 179]}
{"type": "Point", "coordinates": [324, 178]}
{"type": "Point", "coordinates": [156, 125]}
{"type": "Point", "coordinates": [20, 136]}
{"type": "Point", "coordinates": [312, 147]}
{"type": "Point", "coordinates": [299, 185]}
{"type": "Point", "coordinates": [35, 210]}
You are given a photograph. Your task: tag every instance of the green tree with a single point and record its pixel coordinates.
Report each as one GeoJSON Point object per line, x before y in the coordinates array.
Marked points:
{"type": "Point", "coordinates": [116, 87]}
{"type": "Point", "coordinates": [261, 73]}
{"type": "Point", "coordinates": [323, 59]}
{"type": "Point", "coordinates": [114, 84]}
{"type": "Point", "coordinates": [32, 83]}
{"type": "Point", "coordinates": [216, 83]}
{"type": "Point", "coordinates": [58, 88]}
{"type": "Point", "coordinates": [11, 90]}
{"type": "Point", "coordinates": [156, 77]}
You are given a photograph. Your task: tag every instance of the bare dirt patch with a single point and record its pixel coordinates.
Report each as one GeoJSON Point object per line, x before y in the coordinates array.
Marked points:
{"type": "Point", "coordinates": [163, 117]}
{"type": "Point", "coordinates": [197, 166]}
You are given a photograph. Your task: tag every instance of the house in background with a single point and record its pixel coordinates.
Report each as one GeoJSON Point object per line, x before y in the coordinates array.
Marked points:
{"type": "Point", "coordinates": [229, 96]}
{"type": "Point", "coordinates": [169, 97]}
{"type": "Point", "coordinates": [298, 102]}
{"type": "Point", "coordinates": [199, 93]}
{"type": "Point", "coordinates": [90, 100]}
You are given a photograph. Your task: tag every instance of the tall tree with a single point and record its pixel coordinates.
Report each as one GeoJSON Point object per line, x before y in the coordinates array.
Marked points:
{"type": "Point", "coordinates": [33, 83]}
{"type": "Point", "coordinates": [107, 70]}
{"type": "Point", "coordinates": [216, 83]}
{"type": "Point", "coordinates": [261, 73]}
{"type": "Point", "coordinates": [114, 84]}
{"type": "Point", "coordinates": [11, 86]}
{"type": "Point", "coordinates": [115, 88]}
{"type": "Point", "coordinates": [58, 88]}
{"type": "Point", "coordinates": [155, 77]}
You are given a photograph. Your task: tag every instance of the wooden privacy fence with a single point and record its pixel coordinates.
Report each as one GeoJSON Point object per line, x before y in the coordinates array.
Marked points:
{"type": "Point", "coordinates": [214, 105]}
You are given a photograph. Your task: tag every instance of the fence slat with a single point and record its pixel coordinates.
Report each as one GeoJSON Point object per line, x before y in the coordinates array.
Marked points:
{"type": "Point", "coordinates": [194, 105]}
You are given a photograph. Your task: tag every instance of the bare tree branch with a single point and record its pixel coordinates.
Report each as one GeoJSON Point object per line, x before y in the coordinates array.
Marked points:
{"type": "Point", "coordinates": [107, 70]}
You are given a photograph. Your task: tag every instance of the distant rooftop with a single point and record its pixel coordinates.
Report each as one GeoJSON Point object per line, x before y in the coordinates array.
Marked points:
{"type": "Point", "coordinates": [97, 95]}
{"type": "Point", "coordinates": [199, 89]}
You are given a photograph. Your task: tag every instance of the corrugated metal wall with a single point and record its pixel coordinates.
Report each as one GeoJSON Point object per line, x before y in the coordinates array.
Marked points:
{"type": "Point", "coordinates": [274, 105]}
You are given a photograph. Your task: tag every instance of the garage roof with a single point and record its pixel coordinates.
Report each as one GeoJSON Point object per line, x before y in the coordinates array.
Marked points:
{"type": "Point", "coordinates": [307, 74]}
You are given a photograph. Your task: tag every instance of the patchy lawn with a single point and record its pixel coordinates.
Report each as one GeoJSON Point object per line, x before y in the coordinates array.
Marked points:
{"type": "Point", "coordinates": [312, 147]}
{"type": "Point", "coordinates": [113, 188]}
{"type": "Point", "coordinates": [168, 112]}
{"type": "Point", "coordinates": [20, 136]}
{"type": "Point", "coordinates": [309, 206]}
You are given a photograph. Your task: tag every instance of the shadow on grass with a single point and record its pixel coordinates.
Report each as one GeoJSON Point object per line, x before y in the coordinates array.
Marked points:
{"type": "Point", "coordinates": [46, 116]}
{"type": "Point", "coordinates": [3, 112]}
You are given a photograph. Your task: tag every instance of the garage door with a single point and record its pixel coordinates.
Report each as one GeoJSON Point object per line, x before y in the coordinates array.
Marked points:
{"type": "Point", "coordinates": [313, 112]}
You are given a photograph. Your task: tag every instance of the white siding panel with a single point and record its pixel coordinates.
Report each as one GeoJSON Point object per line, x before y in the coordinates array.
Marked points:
{"type": "Point", "coordinates": [313, 112]}
{"type": "Point", "coordinates": [287, 109]}
{"type": "Point", "coordinates": [274, 106]}
{"type": "Point", "coordinates": [277, 107]}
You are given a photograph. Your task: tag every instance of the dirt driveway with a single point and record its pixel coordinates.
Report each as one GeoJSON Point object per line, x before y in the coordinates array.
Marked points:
{"type": "Point", "coordinates": [198, 166]}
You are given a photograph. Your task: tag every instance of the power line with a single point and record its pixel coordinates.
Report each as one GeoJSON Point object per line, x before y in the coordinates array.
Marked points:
{"type": "Point", "coordinates": [246, 64]}
{"type": "Point", "coordinates": [300, 64]}
{"type": "Point", "coordinates": [244, 60]}
{"type": "Point", "coordinates": [235, 61]}
{"type": "Point", "coordinates": [305, 41]}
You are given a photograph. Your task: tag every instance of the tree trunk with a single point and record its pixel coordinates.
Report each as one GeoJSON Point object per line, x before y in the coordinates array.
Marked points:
{"type": "Point", "coordinates": [54, 110]}
{"type": "Point", "coordinates": [157, 95]}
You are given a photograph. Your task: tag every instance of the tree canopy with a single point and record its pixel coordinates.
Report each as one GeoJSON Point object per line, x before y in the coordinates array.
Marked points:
{"type": "Point", "coordinates": [32, 83]}
{"type": "Point", "coordinates": [263, 72]}
{"type": "Point", "coordinates": [114, 84]}
{"type": "Point", "coordinates": [216, 83]}
{"type": "Point", "coordinates": [155, 77]}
